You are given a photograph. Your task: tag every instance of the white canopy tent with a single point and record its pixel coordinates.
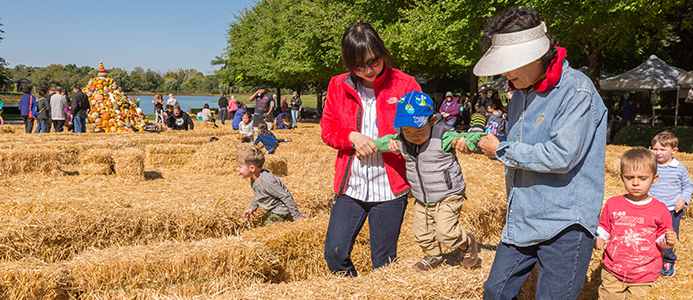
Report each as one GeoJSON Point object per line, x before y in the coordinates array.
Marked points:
{"type": "Point", "coordinates": [652, 75]}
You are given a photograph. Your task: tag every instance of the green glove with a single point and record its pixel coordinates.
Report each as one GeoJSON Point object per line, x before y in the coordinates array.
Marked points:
{"type": "Point", "coordinates": [382, 142]}
{"type": "Point", "coordinates": [471, 138]}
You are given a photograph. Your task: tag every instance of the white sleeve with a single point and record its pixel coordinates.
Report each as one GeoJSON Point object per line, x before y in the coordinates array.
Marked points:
{"type": "Point", "coordinates": [603, 234]}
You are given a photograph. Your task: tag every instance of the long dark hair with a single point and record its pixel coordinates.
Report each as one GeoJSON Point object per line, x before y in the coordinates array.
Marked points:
{"type": "Point", "coordinates": [514, 20]}
{"type": "Point", "coordinates": [357, 41]}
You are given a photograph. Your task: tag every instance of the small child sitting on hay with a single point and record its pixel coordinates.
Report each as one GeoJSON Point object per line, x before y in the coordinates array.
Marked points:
{"type": "Point", "coordinates": [270, 193]}
{"type": "Point", "coordinates": [269, 141]}
{"type": "Point", "coordinates": [245, 128]}
{"type": "Point", "coordinates": [435, 177]}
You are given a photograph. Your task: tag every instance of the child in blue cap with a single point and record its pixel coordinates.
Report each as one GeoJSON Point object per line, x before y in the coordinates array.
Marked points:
{"type": "Point", "coordinates": [435, 178]}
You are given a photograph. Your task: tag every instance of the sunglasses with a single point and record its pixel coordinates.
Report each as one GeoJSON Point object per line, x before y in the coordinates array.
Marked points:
{"type": "Point", "coordinates": [373, 63]}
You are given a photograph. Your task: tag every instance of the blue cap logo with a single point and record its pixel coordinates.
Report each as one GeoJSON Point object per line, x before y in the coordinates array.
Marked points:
{"type": "Point", "coordinates": [421, 101]}
{"type": "Point", "coordinates": [410, 109]}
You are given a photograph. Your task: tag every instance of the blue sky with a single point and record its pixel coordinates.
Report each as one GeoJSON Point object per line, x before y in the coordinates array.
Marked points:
{"type": "Point", "coordinates": [160, 35]}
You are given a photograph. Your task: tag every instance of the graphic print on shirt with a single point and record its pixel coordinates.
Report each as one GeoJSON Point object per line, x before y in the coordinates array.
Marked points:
{"type": "Point", "coordinates": [179, 121]}
{"type": "Point", "coordinates": [633, 243]}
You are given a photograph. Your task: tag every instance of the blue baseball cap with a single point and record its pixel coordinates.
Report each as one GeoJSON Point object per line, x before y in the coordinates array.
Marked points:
{"type": "Point", "coordinates": [413, 110]}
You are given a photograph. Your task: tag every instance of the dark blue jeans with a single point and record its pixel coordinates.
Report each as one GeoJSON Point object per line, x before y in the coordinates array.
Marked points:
{"type": "Point", "coordinates": [222, 114]}
{"type": "Point", "coordinates": [563, 262]}
{"type": "Point", "coordinates": [668, 255]}
{"type": "Point", "coordinates": [346, 219]}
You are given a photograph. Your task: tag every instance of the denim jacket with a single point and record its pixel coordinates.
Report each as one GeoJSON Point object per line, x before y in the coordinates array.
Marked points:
{"type": "Point", "coordinates": [554, 159]}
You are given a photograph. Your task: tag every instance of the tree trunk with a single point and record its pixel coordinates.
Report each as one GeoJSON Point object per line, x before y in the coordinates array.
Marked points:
{"type": "Point", "coordinates": [278, 102]}
{"type": "Point", "coordinates": [319, 96]}
{"type": "Point", "coordinates": [473, 82]}
{"type": "Point", "coordinates": [595, 64]}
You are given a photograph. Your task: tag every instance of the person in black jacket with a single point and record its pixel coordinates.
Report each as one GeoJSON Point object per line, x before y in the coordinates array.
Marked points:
{"type": "Point", "coordinates": [44, 112]}
{"type": "Point", "coordinates": [179, 120]}
{"type": "Point", "coordinates": [80, 108]}
{"type": "Point", "coordinates": [223, 108]}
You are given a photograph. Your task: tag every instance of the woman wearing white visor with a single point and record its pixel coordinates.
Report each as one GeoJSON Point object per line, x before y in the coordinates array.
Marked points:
{"type": "Point", "coordinates": [553, 156]}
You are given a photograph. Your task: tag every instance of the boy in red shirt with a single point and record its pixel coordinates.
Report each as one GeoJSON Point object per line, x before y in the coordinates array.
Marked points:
{"type": "Point", "coordinates": [636, 226]}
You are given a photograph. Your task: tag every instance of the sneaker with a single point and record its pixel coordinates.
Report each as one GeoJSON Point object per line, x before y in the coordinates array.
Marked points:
{"type": "Point", "coordinates": [668, 269]}
{"type": "Point", "coordinates": [471, 254]}
{"type": "Point", "coordinates": [428, 262]}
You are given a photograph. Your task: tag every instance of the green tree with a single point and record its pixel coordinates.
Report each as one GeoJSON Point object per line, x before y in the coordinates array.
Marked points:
{"type": "Point", "coordinates": [136, 78]}
{"type": "Point", "coordinates": [121, 78]}
{"type": "Point", "coordinates": [151, 81]}
{"type": "Point", "coordinates": [595, 25]}
{"type": "Point", "coordinates": [171, 84]}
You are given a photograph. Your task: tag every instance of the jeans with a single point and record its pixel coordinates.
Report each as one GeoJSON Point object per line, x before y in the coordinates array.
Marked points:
{"type": "Point", "coordinates": [43, 126]}
{"type": "Point", "coordinates": [668, 255]}
{"type": "Point", "coordinates": [28, 124]}
{"type": "Point", "coordinates": [346, 220]}
{"type": "Point", "coordinates": [80, 123]}
{"type": "Point", "coordinates": [563, 262]}
{"type": "Point", "coordinates": [222, 114]}
{"type": "Point", "coordinates": [58, 125]}
{"type": "Point", "coordinates": [451, 122]}
{"type": "Point", "coordinates": [294, 116]}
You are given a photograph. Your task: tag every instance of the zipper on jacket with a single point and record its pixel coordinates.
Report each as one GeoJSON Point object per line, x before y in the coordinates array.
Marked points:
{"type": "Point", "coordinates": [423, 190]}
{"type": "Point", "coordinates": [351, 156]}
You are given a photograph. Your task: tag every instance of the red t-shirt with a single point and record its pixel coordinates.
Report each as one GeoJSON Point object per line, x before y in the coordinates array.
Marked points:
{"type": "Point", "coordinates": [631, 253]}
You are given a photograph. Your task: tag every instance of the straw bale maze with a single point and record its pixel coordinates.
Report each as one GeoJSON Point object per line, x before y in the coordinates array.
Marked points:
{"type": "Point", "coordinates": [146, 215]}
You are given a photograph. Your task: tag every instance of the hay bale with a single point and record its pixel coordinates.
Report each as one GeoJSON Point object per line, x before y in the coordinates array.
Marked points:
{"type": "Point", "coordinates": [32, 280]}
{"type": "Point", "coordinates": [7, 129]}
{"type": "Point", "coordinates": [21, 161]}
{"type": "Point", "coordinates": [276, 164]}
{"type": "Point", "coordinates": [129, 162]}
{"type": "Point", "coordinates": [218, 156]}
{"type": "Point", "coordinates": [170, 263]}
{"type": "Point", "coordinates": [169, 155]}
{"type": "Point", "coordinates": [96, 162]}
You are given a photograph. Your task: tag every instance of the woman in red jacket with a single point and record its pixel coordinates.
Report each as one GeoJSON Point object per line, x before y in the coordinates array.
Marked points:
{"type": "Point", "coordinates": [360, 107]}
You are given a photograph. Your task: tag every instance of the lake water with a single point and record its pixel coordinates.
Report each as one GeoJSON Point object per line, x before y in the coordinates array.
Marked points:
{"type": "Point", "coordinates": [186, 102]}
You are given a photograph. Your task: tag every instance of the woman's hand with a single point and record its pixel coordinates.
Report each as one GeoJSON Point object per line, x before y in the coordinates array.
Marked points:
{"type": "Point", "coordinates": [488, 144]}
{"type": "Point", "coordinates": [363, 144]}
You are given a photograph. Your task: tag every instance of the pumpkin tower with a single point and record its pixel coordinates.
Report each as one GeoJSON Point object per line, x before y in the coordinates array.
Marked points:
{"type": "Point", "coordinates": [111, 111]}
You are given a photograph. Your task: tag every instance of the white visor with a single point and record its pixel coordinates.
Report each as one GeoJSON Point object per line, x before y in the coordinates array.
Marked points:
{"type": "Point", "coordinates": [510, 51]}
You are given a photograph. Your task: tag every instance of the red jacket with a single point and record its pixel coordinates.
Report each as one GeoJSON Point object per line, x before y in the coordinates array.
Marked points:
{"type": "Point", "coordinates": [342, 115]}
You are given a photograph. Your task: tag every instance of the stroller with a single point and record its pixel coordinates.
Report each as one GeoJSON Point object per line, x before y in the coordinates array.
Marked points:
{"type": "Point", "coordinates": [284, 121]}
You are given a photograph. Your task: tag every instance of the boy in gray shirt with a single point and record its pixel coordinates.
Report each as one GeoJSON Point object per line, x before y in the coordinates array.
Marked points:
{"type": "Point", "coordinates": [270, 192]}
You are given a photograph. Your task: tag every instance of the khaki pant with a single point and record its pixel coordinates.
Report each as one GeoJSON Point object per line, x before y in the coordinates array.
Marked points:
{"type": "Point", "coordinates": [439, 224]}
{"type": "Point", "coordinates": [275, 218]}
{"type": "Point", "coordinates": [614, 288]}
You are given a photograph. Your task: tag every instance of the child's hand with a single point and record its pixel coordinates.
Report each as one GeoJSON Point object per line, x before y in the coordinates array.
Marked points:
{"type": "Point", "coordinates": [394, 147]}
{"type": "Point", "coordinates": [670, 237]}
{"type": "Point", "coordinates": [249, 213]}
{"type": "Point", "coordinates": [599, 244]}
{"type": "Point", "coordinates": [679, 205]}
{"type": "Point", "coordinates": [302, 217]}
{"type": "Point", "coordinates": [460, 145]}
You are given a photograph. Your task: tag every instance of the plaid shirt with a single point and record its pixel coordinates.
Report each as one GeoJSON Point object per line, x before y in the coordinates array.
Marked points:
{"type": "Point", "coordinates": [269, 141]}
